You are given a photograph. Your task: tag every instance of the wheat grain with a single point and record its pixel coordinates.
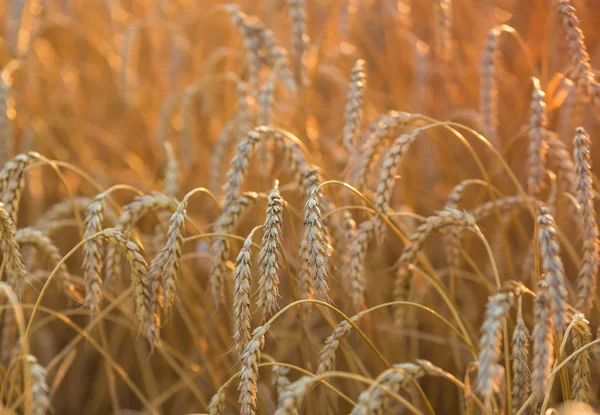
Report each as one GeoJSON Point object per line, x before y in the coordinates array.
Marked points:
{"type": "Point", "coordinates": [269, 257]}
{"type": "Point", "coordinates": [588, 274]}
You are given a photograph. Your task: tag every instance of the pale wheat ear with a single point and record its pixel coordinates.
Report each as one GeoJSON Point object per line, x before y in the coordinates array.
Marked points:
{"type": "Point", "coordinates": [316, 245]}
{"type": "Point", "coordinates": [521, 381]}
{"type": "Point", "coordinates": [488, 96]}
{"type": "Point", "coordinates": [538, 145]}
{"type": "Point", "coordinates": [270, 253]}
{"type": "Point", "coordinates": [353, 110]}
{"type": "Point", "coordinates": [92, 253]}
{"type": "Point", "coordinates": [581, 336]}
{"type": "Point", "coordinates": [38, 388]}
{"type": "Point", "coordinates": [588, 274]}
{"type": "Point", "coordinates": [543, 342]}
{"type": "Point", "coordinates": [443, 31]}
{"type": "Point", "coordinates": [12, 255]}
{"type": "Point", "coordinates": [249, 372]}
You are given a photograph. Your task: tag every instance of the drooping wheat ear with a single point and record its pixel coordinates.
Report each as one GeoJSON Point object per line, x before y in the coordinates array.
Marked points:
{"type": "Point", "coordinates": [171, 180]}
{"type": "Point", "coordinates": [580, 70]}
{"type": "Point", "coordinates": [403, 281]}
{"type": "Point", "coordinates": [521, 382]}
{"type": "Point", "coordinates": [299, 39]}
{"type": "Point", "coordinates": [504, 205]}
{"type": "Point", "coordinates": [332, 344]}
{"type": "Point", "coordinates": [128, 61]}
{"type": "Point", "coordinates": [92, 253]}
{"type": "Point", "coordinates": [249, 29]}
{"type": "Point", "coordinates": [581, 389]}
{"type": "Point", "coordinates": [356, 267]}
{"type": "Point", "coordinates": [216, 406]}
{"type": "Point", "coordinates": [280, 379]}
{"type": "Point", "coordinates": [374, 400]}
{"type": "Point", "coordinates": [189, 116]}
{"type": "Point", "coordinates": [387, 177]}
{"type": "Point", "coordinates": [11, 181]}
{"type": "Point", "coordinates": [221, 246]}
{"type": "Point", "coordinates": [561, 161]}
{"type": "Point", "coordinates": [163, 123]}
{"type": "Point", "coordinates": [6, 139]}
{"type": "Point", "coordinates": [49, 251]}
{"type": "Point", "coordinates": [132, 214]}
{"type": "Point", "coordinates": [538, 145]}
{"type": "Point", "coordinates": [552, 268]}
{"type": "Point", "coordinates": [270, 253]}
{"type": "Point", "coordinates": [353, 111]}
{"type": "Point", "coordinates": [588, 274]}
{"type": "Point", "coordinates": [316, 245]}
{"type": "Point", "coordinates": [543, 343]}
{"type": "Point", "coordinates": [242, 278]}
{"type": "Point", "coordinates": [168, 259]}
{"type": "Point", "coordinates": [148, 318]}
{"type": "Point", "coordinates": [38, 388]}
{"type": "Point", "coordinates": [386, 129]}
{"type": "Point", "coordinates": [443, 31]}
{"type": "Point", "coordinates": [452, 245]}
{"type": "Point", "coordinates": [290, 401]}
{"type": "Point", "coordinates": [488, 94]}
{"type": "Point", "coordinates": [496, 311]}
{"type": "Point", "coordinates": [12, 255]}
{"type": "Point", "coordinates": [249, 371]}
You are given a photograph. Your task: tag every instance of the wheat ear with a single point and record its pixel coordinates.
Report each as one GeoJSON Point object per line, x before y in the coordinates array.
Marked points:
{"type": "Point", "coordinates": [280, 379]}
{"type": "Point", "coordinates": [6, 139]}
{"type": "Point", "coordinates": [353, 110]}
{"type": "Point", "coordinates": [488, 95]}
{"type": "Point", "coordinates": [332, 344]}
{"type": "Point", "coordinates": [242, 278]}
{"type": "Point", "coordinates": [581, 388]}
{"type": "Point", "coordinates": [356, 266]}
{"type": "Point", "coordinates": [588, 274]}
{"type": "Point", "coordinates": [443, 31]}
{"type": "Point", "coordinates": [249, 371]}
{"type": "Point", "coordinates": [521, 381]}
{"type": "Point", "coordinates": [316, 245]}
{"type": "Point", "coordinates": [92, 253]}
{"type": "Point", "coordinates": [10, 248]}
{"type": "Point", "coordinates": [543, 344]}
{"type": "Point", "coordinates": [216, 406]}
{"type": "Point", "coordinates": [269, 257]}
{"type": "Point", "coordinates": [40, 400]}
{"type": "Point", "coordinates": [538, 145]}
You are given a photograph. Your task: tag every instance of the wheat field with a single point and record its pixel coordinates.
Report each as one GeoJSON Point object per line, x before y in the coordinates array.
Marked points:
{"type": "Point", "coordinates": [299, 207]}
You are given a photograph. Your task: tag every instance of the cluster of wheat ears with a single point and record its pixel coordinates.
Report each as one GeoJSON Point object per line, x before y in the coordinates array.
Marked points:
{"type": "Point", "coordinates": [424, 244]}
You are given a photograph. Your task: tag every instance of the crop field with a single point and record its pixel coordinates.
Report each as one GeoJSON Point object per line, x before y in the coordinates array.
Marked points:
{"type": "Point", "coordinates": [299, 207]}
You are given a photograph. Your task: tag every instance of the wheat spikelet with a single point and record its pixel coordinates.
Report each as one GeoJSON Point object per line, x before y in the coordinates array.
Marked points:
{"type": "Point", "coordinates": [6, 139]}
{"type": "Point", "coordinates": [290, 401]}
{"type": "Point", "coordinates": [149, 319]}
{"type": "Point", "coordinates": [580, 70]}
{"type": "Point", "coordinates": [538, 145]}
{"type": "Point", "coordinates": [521, 382]}
{"type": "Point", "coordinates": [496, 311]}
{"type": "Point", "coordinates": [280, 379]}
{"type": "Point", "coordinates": [249, 371]}
{"type": "Point", "coordinates": [386, 128]}
{"type": "Point", "coordinates": [374, 399]}
{"type": "Point", "coordinates": [242, 278]}
{"type": "Point", "coordinates": [299, 39]}
{"type": "Point", "coordinates": [269, 257]}
{"type": "Point", "coordinates": [40, 401]}
{"type": "Point", "coordinates": [387, 177]}
{"type": "Point", "coordinates": [216, 406]}
{"type": "Point", "coordinates": [588, 274]}
{"type": "Point", "coordinates": [442, 219]}
{"type": "Point", "coordinates": [488, 95]}
{"type": "Point", "coordinates": [220, 247]}
{"type": "Point", "coordinates": [332, 344]}
{"type": "Point", "coordinates": [581, 388]}
{"type": "Point", "coordinates": [167, 262]}
{"type": "Point", "coordinates": [92, 253]}
{"type": "Point", "coordinates": [48, 250]}
{"type": "Point", "coordinates": [132, 214]}
{"type": "Point", "coordinates": [443, 31]}
{"type": "Point", "coordinates": [353, 111]}
{"type": "Point", "coordinates": [543, 344]}
{"type": "Point", "coordinates": [552, 268]}
{"type": "Point", "coordinates": [316, 245]}
{"type": "Point", "coordinates": [249, 30]}
{"type": "Point", "coordinates": [356, 266]}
